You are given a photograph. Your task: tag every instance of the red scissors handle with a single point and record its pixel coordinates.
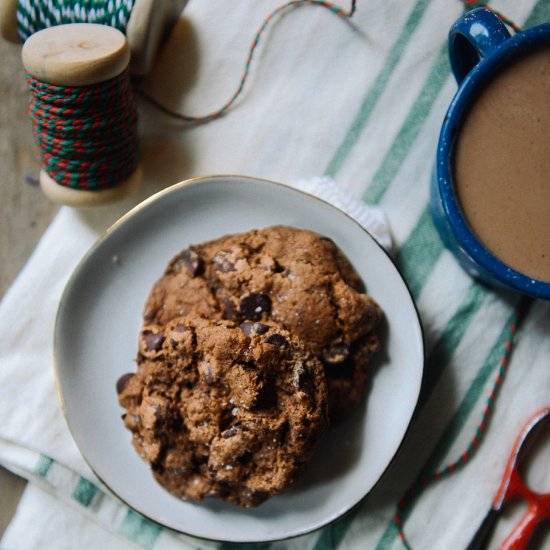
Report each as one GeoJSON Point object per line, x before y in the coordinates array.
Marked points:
{"type": "Point", "coordinates": [538, 509]}
{"type": "Point", "coordinates": [512, 486]}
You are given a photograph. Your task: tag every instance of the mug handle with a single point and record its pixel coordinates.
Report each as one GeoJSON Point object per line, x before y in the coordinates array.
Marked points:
{"type": "Point", "coordinates": [471, 37]}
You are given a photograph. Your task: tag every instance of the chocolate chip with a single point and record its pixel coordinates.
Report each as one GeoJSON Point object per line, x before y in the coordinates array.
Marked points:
{"type": "Point", "coordinates": [175, 335]}
{"type": "Point", "coordinates": [158, 467]}
{"type": "Point", "coordinates": [222, 262]}
{"type": "Point", "coordinates": [337, 353]}
{"type": "Point", "coordinates": [230, 432]}
{"type": "Point", "coordinates": [122, 382]}
{"type": "Point", "coordinates": [339, 370]}
{"type": "Point", "coordinates": [245, 458]}
{"type": "Point", "coordinates": [159, 416]}
{"type": "Point", "coordinates": [267, 396]}
{"type": "Point", "coordinates": [277, 340]}
{"type": "Point", "coordinates": [251, 328]}
{"type": "Point", "coordinates": [229, 310]}
{"type": "Point", "coordinates": [152, 415]}
{"type": "Point", "coordinates": [303, 379]}
{"type": "Point", "coordinates": [283, 432]}
{"type": "Point", "coordinates": [254, 305]}
{"type": "Point", "coordinates": [278, 268]}
{"type": "Point", "coordinates": [248, 365]}
{"type": "Point", "coordinates": [150, 314]}
{"type": "Point", "coordinates": [192, 262]}
{"type": "Point", "coordinates": [153, 340]}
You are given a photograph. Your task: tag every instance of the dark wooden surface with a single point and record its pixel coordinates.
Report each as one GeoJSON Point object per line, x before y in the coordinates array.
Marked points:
{"type": "Point", "coordinates": [25, 212]}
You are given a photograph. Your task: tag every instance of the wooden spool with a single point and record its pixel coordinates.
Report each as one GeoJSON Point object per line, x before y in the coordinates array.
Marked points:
{"type": "Point", "coordinates": [79, 54]}
{"type": "Point", "coordinates": [149, 24]}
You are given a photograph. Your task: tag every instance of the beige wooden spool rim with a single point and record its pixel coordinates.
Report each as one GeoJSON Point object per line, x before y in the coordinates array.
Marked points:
{"type": "Point", "coordinates": [77, 54]}
{"type": "Point", "coordinates": [148, 26]}
{"type": "Point", "coordinates": [8, 20]}
{"type": "Point", "coordinates": [84, 198]}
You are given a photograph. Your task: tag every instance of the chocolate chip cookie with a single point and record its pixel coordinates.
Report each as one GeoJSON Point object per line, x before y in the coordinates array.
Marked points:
{"type": "Point", "coordinates": [293, 278]}
{"type": "Point", "coordinates": [226, 410]}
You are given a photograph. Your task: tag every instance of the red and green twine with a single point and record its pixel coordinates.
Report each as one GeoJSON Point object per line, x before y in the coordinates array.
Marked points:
{"type": "Point", "coordinates": [86, 135]}
{"type": "Point", "coordinates": [472, 4]}
{"type": "Point", "coordinates": [427, 479]}
{"type": "Point", "coordinates": [222, 111]}
{"type": "Point", "coordinates": [424, 480]}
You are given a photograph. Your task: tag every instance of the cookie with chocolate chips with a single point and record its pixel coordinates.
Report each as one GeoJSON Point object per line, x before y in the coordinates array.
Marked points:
{"type": "Point", "coordinates": [296, 279]}
{"type": "Point", "coordinates": [226, 410]}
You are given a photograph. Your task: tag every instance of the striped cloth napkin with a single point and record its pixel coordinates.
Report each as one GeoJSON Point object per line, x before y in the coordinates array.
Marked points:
{"type": "Point", "coordinates": [360, 102]}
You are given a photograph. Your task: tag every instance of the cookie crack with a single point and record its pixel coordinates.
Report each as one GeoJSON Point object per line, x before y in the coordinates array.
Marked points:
{"type": "Point", "coordinates": [336, 311]}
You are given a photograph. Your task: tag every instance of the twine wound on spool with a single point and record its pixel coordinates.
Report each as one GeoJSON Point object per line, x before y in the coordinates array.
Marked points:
{"type": "Point", "coordinates": [87, 136]}
{"type": "Point", "coordinates": [83, 113]}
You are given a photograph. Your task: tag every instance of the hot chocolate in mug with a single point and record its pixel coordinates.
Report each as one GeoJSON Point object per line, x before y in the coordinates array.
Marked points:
{"type": "Point", "coordinates": [490, 193]}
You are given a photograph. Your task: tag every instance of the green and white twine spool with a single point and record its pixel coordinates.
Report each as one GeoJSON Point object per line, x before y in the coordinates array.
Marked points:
{"type": "Point", "coordinates": [35, 15]}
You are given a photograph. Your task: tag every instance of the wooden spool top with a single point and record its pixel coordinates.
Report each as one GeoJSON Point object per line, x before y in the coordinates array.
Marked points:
{"type": "Point", "coordinates": [148, 26]}
{"type": "Point", "coordinates": [77, 54]}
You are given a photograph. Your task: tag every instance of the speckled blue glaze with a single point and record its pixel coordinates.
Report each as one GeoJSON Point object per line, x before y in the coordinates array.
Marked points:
{"type": "Point", "coordinates": [479, 46]}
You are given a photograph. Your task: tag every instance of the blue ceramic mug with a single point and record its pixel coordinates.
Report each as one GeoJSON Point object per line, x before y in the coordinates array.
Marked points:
{"type": "Point", "coordinates": [479, 47]}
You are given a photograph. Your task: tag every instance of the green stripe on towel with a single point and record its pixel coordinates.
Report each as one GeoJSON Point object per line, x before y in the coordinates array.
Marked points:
{"type": "Point", "coordinates": [419, 253]}
{"type": "Point", "coordinates": [539, 14]}
{"type": "Point", "coordinates": [448, 341]}
{"type": "Point", "coordinates": [376, 90]}
{"type": "Point", "coordinates": [85, 491]}
{"type": "Point", "coordinates": [410, 129]}
{"type": "Point", "coordinates": [43, 465]}
{"type": "Point", "coordinates": [139, 529]}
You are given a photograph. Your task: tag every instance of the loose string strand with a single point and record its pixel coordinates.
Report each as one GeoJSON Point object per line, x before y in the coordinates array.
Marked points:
{"type": "Point", "coordinates": [472, 4]}
{"type": "Point", "coordinates": [424, 481]}
{"type": "Point", "coordinates": [222, 111]}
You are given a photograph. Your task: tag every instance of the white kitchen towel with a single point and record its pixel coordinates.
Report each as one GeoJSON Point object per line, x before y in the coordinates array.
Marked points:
{"type": "Point", "coordinates": [360, 102]}
{"type": "Point", "coordinates": [372, 218]}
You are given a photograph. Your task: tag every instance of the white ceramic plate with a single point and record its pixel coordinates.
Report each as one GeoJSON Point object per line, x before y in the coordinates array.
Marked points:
{"type": "Point", "coordinates": [96, 341]}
